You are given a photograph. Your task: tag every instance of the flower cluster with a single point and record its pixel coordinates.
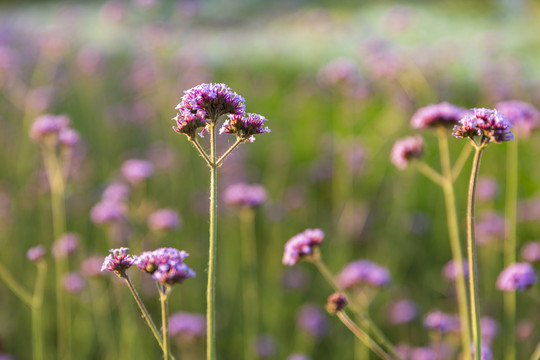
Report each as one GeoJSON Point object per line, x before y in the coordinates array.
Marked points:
{"type": "Point", "coordinates": [53, 130]}
{"type": "Point", "coordinates": [362, 272]}
{"type": "Point", "coordinates": [166, 265]}
{"type": "Point", "coordinates": [118, 261]}
{"type": "Point", "coordinates": [443, 114]}
{"type": "Point", "coordinates": [244, 195]}
{"type": "Point", "coordinates": [137, 170]}
{"type": "Point", "coordinates": [65, 245]}
{"type": "Point", "coordinates": [245, 126]}
{"type": "Point", "coordinates": [523, 116]}
{"type": "Point", "coordinates": [517, 277]}
{"type": "Point", "coordinates": [36, 254]}
{"type": "Point", "coordinates": [405, 150]}
{"type": "Point", "coordinates": [490, 124]}
{"type": "Point", "coordinates": [302, 245]}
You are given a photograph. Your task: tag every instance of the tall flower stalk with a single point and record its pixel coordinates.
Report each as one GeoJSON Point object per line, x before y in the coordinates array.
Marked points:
{"type": "Point", "coordinates": [202, 107]}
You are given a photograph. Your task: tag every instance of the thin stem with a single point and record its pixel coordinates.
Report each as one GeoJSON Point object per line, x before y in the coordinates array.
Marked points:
{"type": "Point", "coordinates": [145, 313]}
{"type": "Point", "coordinates": [195, 143]}
{"type": "Point", "coordinates": [471, 251]}
{"type": "Point", "coordinates": [455, 244]}
{"type": "Point", "coordinates": [14, 286]}
{"type": "Point", "coordinates": [238, 141]}
{"type": "Point", "coordinates": [37, 305]}
{"type": "Point", "coordinates": [428, 172]}
{"type": "Point", "coordinates": [346, 320]}
{"type": "Point", "coordinates": [163, 295]}
{"type": "Point", "coordinates": [536, 353]}
{"type": "Point", "coordinates": [460, 162]}
{"type": "Point", "coordinates": [510, 245]}
{"type": "Point", "coordinates": [211, 287]}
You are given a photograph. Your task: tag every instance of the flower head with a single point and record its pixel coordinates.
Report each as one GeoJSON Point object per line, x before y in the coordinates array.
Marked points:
{"type": "Point", "coordinates": [36, 254]}
{"type": "Point", "coordinates": [118, 261]}
{"type": "Point", "coordinates": [336, 302]}
{"type": "Point", "coordinates": [73, 283]}
{"type": "Point", "coordinates": [440, 321]}
{"type": "Point", "coordinates": [66, 245]}
{"type": "Point", "coordinates": [405, 150]}
{"type": "Point", "coordinates": [187, 326]}
{"type": "Point", "coordinates": [137, 170]}
{"type": "Point", "coordinates": [489, 328]}
{"type": "Point", "coordinates": [433, 115]}
{"type": "Point", "coordinates": [490, 124]}
{"type": "Point", "coordinates": [68, 137]}
{"type": "Point", "coordinates": [402, 312]}
{"type": "Point", "coordinates": [312, 320]}
{"type": "Point", "coordinates": [517, 277]}
{"type": "Point", "coordinates": [450, 270]}
{"type": "Point", "coordinates": [108, 212]}
{"type": "Point", "coordinates": [302, 245]}
{"type": "Point", "coordinates": [245, 126]}
{"type": "Point", "coordinates": [523, 116]}
{"type": "Point", "coordinates": [164, 219]}
{"type": "Point", "coordinates": [362, 272]}
{"type": "Point", "coordinates": [244, 195]}
{"type": "Point", "coordinates": [188, 123]}
{"type": "Point", "coordinates": [166, 265]}
{"type": "Point", "coordinates": [530, 252]}
{"type": "Point", "coordinates": [46, 125]}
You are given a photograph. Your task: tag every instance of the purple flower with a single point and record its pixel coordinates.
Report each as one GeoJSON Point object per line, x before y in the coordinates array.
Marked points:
{"type": "Point", "coordinates": [36, 254]}
{"type": "Point", "coordinates": [423, 353]}
{"type": "Point", "coordinates": [530, 252]}
{"type": "Point", "coordinates": [166, 265]}
{"type": "Point", "coordinates": [402, 312]}
{"type": "Point", "coordinates": [116, 192]}
{"type": "Point", "coordinates": [337, 71]}
{"type": "Point", "coordinates": [187, 326]}
{"type": "Point", "coordinates": [244, 195]}
{"type": "Point", "coordinates": [302, 245]}
{"type": "Point", "coordinates": [489, 328]}
{"type": "Point", "coordinates": [108, 212]}
{"type": "Point", "coordinates": [444, 114]}
{"type": "Point", "coordinates": [487, 188]}
{"type": "Point", "coordinates": [450, 271]}
{"type": "Point", "coordinates": [73, 283]}
{"type": "Point", "coordinates": [245, 126]}
{"type": "Point", "coordinates": [298, 357]}
{"type": "Point", "coordinates": [164, 219]}
{"type": "Point", "coordinates": [485, 352]}
{"type": "Point", "coordinates": [491, 226]}
{"type": "Point", "coordinates": [518, 276]}
{"type": "Point", "coordinates": [405, 150]}
{"type": "Point", "coordinates": [137, 170]}
{"type": "Point", "coordinates": [118, 261]}
{"type": "Point", "coordinates": [210, 101]}
{"type": "Point", "coordinates": [188, 123]}
{"type": "Point", "coordinates": [440, 321]}
{"type": "Point", "coordinates": [68, 137]}
{"type": "Point", "coordinates": [312, 320]}
{"type": "Point", "coordinates": [91, 266]}
{"type": "Point", "coordinates": [523, 116]}
{"type": "Point", "coordinates": [362, 272]}
{"type": "Point", "coordinates": [490, 124]}
{"type": "Point", "coordinates": [46, 125]}
{"type": "Point", "coordinates": [336, 302]}
{"type": "Point", "coordinates": [65, 246]}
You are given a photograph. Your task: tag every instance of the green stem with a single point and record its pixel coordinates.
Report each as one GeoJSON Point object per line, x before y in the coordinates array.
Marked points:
{"type": "Point", "coordinates": [460, 162]}
{"type": "Point", "coordinates": [239, 140]}
{"type": "Point", "coordinates": [163, 295]}
{"type": "Point", "coordinates": [195, 143]}
{"type": "Point", "coordinates": [455, 244]}
{"type": "Point", "coordinates": [144, 312]}
{"type": "Point", "coordinates": [37, 302]}
{"type": "Point", "coordinates": [362, 336]}
{"type": "Point", "coordinates": [510, 245]}
{"type": "Point", "coordinates": [14, 286]}
{"type": "Point", "coordinates": [428, 172]}
{"type": "Point", "coordinates": [536, 353]}
{"type": "Point", "coordinates": [471, 252]}
{"type": "Point", "coordinates": [211, 287]}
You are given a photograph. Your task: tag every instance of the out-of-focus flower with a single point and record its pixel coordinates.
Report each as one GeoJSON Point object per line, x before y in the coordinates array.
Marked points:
{"type": "Point", "coordinates": [164, 219]}
{"type": "Point", "coordinates": [485, 350]}
{"type": "Point", "coordinates": [489, 328]}
{"type": "Point", "coordinates": [137, 170]}
{"type": "Point", "coordinates": [65, 246]}
{"type": "Point", "coordinates": [108, 212]}
{"type": "Point", "coordinates": [187, 326]}
{"type": "Point", "coordinates": [73, 283]}
{"type": "Point", "coordinates": [118, 261]}
{"type": "Point", "coordinates": [490, 227]}
{"type": "Point", "coordinates": [363, 272]}
{"type": "Point", "coordinates": [47, 125]}
{"type": "Point", "coordinates": [490, 124]}
{"type": "Point", "coordinates": [302, 245]}
{"type": "Point", "coordinates": [402, 312]}
{"type": "Point", "coordinates": [524, 330]}
{"type": "Point", "coordinates": [405, 150]}
{"type": "Point", "coordinates": [312, 320]}
{"type": "Point", "coordinates": [116, 192]}
{"type": "Point", "coordinates": [68, 137]}
{"type": "Point", "coordinates": [265, 346]}
{"type": "Point", "coordinates": [339, 71]}
{"type": "Point", "coordinates": [245, 126]}
{"type": "Point", "coordinates": [443, 114]}
{"type": "Point", "coordinates": [336, 302]}
{"type": "Point", "coordinates": [517, 277]}
{"type": "Point", "coordinates": [530, 251]}
{"type": "Point", "coordinates": [36, 254]}
{"type": "Point", "coordinates": [298, 357]}
{"type": "Point", "coordinates": [91, 266]}
{"type": "Point", "coordinates": [450, 271]}
{"type": "Point", "coordinates": [166, 265]}
{"type": "Point", "coordinates": [440, 321]}
{"type": "Point", "coordinates": [487, 188]}
{"type": "Point", "coordinates": [423, 353]}
{"type": "Point", "coordinates": [523, 116]}
{"type": "Point", "coordinates": [244, 195]}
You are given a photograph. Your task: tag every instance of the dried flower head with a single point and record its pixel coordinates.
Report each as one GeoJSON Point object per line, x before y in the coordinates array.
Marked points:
{"type": "Point", "coordinates": [244, 195]}
{"type": "Point", "coordinates": [336, 302]}
{"type": "Point", "coordinates": [302, 245]}
{"type": "Point", "coordinates": [166, 265]}
{"type": "Point", "coordinates": [118, 261]}
{"type": "Point", "coordinates": [443, 114]}
{"type": "Point", "coordinates": [245, 126]}
{"type": "Point", "coordinates": [523, 116]}
{"type": "Point", "coordinates": [405, 150]}
{"type": "Point", "coordinates": [517, 277]}
{"type": "Point", "coordinates": [164, 220]}
{"type": "Point", "coordinates": [137, 170]}
{"type": "Point", "coordinates": [363, 272]}
{"type": "Point", "coordinates": [36, 254]}
{"type": "Point", "coordinates": [490, 124]}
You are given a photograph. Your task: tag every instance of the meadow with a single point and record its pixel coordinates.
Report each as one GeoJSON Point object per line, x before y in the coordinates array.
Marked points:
{"type": "Point", "coordinates": [339, 85]}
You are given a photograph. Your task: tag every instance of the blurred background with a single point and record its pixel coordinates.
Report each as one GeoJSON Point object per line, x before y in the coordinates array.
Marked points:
{"type": "Point", "coordinates": [338, 82]}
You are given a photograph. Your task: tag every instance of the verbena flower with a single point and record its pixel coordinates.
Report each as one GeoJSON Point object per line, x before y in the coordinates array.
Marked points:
{"type": "Point", "coordinates": [363, 272]}
{"type": "Point", "coordinates": [116, 192]}
{"type": "Point", "coordinates": [405, 150]}
{"type": "Point", "coordinates": [450, 270]}
{"type": "Point", "coordinates": [312, 319]}
{"type": "Point", "coordinates": [530, 251]}
{"type": "Point", "coordinates": [517, 277]}
{"type": "Point", "coordinates": [336, 302]}
{"type": "Point", "coordinates": [46, 125]}
{"type": "Point", "coordinates": [73, 283]}
{"type": "Point", "coordinates": [164, 219]}
{"type": "Point", "coordinates": [490, 227]}
{"type": "Point", "coordinates": [108, 212]}
{"type": "Point", "coordinates": [443, 114]}
{"type": "Point", "coordinates": [118, 261]}
{"type": "Point", "coordinates": [523, 116]}
{"type": "Point", "coordinates": [423, 353]}
{"type": "Point", "coordinates": [245, 126]}
{"type": "Point", "coordinates": [402, 312]}
{"type": "Point", "coordinates": [91, 266]}
{"type": "Point", "coordinates": [440, 321]}
{"type": "Point", "coordinates": [489, 124]}
{"type": "Point", "coordinates": [302, 245]}
{"type": "Point", "coordinates": [187, 326]}
{"type": "Point", "coordinates": [166, 265]}
{"type": "Point", "coordinates": [188, 123]}
{"type": "Point", "coordinates": [65, 246]}
{"type": "Point", "coordinates": [244, 195]}
{"type": "Point", "coordinates": [36, 253]}
{"type": "Point", "coordinates": [487, 188]}
{"type": "Point", "coordinates": [137, 170]}
{"type": "Point", "coordinates": [68, 137]}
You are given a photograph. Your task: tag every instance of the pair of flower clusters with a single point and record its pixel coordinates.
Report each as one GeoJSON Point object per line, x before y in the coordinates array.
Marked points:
{"type": "Point", "coordinates": [204, 104]}
{"type": "Point", "coordinates": [166, 265]}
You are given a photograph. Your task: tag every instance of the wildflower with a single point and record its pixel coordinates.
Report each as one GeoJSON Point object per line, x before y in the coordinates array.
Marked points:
{"type": "Point", "coordinates": [530, 252]}
{"type": "Point", "coordinates": [402, 312]}
{"type": "Point", "coordinates": [302, 245]}
{"type": "Point", "coordinates": [108, 212]}
{"type": "Point", "coordinates": [47, 125]}
{"type": "Point", "coordinates": [118, 261]}
{"type": "Point", "coordinates": [524, 330]}
{"type": "Point", "coordinates": [337, 71]}
{"type": "Point", "coordinates": [91, 266]}
{"type": "Point", "coordinates": [518, 276]}
{"type": "Point", "coordinates": [336, 302]}
{"type": "Point", "coordinates": [73, 283]}
{"type": "Point", "coordinates": [405, 150]}
{"type": "Point", "coordinates": [36, 254]}
{"type": "Point", "coordinates": [164, 219]}
{"type": "Point", "coordinates": [66, 245]}
{"type": "Point", "coordinates": [450, 270]}
{"type": "Point", "coordinates": [188, 124]}
{"type": "Point", "coordinates": [523, 116]}
{"type": "Point", "coordinates": [312, 320]}
{"type": "Point", "coordinates": [423, 353]}
{"type": "Point", "coordinates": [68, 137]}
{"type": "Point", "coordinates": [490, 124]}
{"type": "Point", "coordinates": [487, 188]}
{"type": "Point", "coordinates": [440, 321]}
{"type": "Point", "coordinates": [245, 126]}
{"type": "Point", "coordinates": [491, 226]}
{"type": "Point", "coordinates": [166, 265]}
{"type": "Point", "coordinates": [443, 114]}
{"type": "Point", "coordinates": [244, 195]}
{"type": "Point", "coordinates": [116, 192]}
{"type": "Point", "coordinates": [363, 272]}
{"type": "Point", "coordinates": [187, 326]}
{"type": "Point", "coordinates": [136, 170]}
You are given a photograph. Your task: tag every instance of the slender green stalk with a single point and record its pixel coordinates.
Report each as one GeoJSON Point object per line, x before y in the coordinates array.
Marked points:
{"type": "Point", "coordinates": [14, 286]}
{"type": "Point", "coordinates": [163, 295]}
{"type": "Point", "coordinates": [211, 287]}
{"type": "Point", "coordinates": [471, 251]}
{"type": "Point", "coordinates": [428, 172]}
{"type": "Point", "coordinates": [195, 143]}
{"type": "Point", "coordinates": [37, 305]}
{"type": "Point", "coordinates": [238, 141]}
{"type": "Point", "coordinates": [460, 162]}
{"type": "Point", "coordinates": [346, 320]}
{"type": "Point", "coordinates": [536, 353]}
{"type": "Point", "coordinates": [510, 245]}
{"type": "Point", "coordinates": [455, 244]}
{"type": "Point", "coordinates": [144, 312]}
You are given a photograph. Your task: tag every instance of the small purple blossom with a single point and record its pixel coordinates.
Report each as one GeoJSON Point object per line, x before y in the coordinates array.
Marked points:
{"type": "Point", "coordinates": [73, 283]}
{"type": "Point", "coordinates": [163, 220]}
{"type": "Point", "coordinates": [450, 271]}
{"type": "Point", "coordinates": [491, 226]}
{"type": "Point", "coordinates": [402, 312]}
{"type": "Point", "coordinates": [91, 267]}
{"type": "Point", "coordinates": [336, 302]}
{"type": "Point", "coordinates": [490, 124]}
{"type": "Point", "coordinates": [137, 170]}
{"type": "Point", "coordinates": [517, 277]}
{"type": "Point", "coordinates": [65, 246]}
{"type": "Point", "coordinates": [107, 212]}
{"type": "Point", "coordinates": [423, 353]}
{"type": "Point", "coordinates": [68, 137]}
{"type": "Point", "coordinates": [302, 245]}
{"type": "Point", "coordinates": [118, 261]}
{"type": "Point", "coordinates": [405, 150]}
{"type": "Point", "coordinates": [530, 252]}
{"type": "Point", "coordinates": [245, 126]}
{"type": "Point", "coordinates": [523, 116]}
{"type": "Point", "coordinates": [363, 272]}
{"type": "Point", "coordinates": [312, 319]}
{"type": "Point", "coordinates": [36, 254]}
{"type": "Point", "coordinates": [46, 125]}
{"type": "Point", "coordinates": [487, 188]}
{"type": "Point", "coordinates": [443, 114]}
{"type": "Point", "coordinates": [244, 195]}
{"type": "Point", "coordinates": [187, 326]}
{"type": "Point", "coordinates": [440, 321]}
{"type": "Point", "coordinates": [116, 192]}
{"type": "Point", "coordinates": [188, 123]}
{"type": "Point", "coordinates": [166, 265]}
